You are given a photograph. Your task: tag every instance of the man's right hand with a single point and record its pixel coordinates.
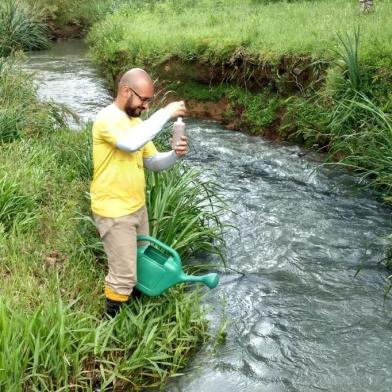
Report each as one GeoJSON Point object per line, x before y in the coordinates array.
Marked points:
{"type": "Point", "coordinates": [176, 109]}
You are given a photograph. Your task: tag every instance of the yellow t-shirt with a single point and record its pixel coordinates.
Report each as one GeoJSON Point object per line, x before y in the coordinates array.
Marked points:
{"type": "Point", "coordinates": [118, 186]}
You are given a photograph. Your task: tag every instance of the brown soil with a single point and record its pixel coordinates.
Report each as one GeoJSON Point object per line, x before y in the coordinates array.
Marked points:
{"type": "Point", "coordinates": [208, 110]}
{"type": "Point", "coordinates": [68, 32]}
{"type": "Point", "coordinates": [217, 110]}
{"type": "Point", "coordinates": [294, 73]}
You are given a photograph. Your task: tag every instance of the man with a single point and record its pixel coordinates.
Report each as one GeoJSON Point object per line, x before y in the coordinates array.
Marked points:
{"type": "Point", "coordinates": [122, 146]}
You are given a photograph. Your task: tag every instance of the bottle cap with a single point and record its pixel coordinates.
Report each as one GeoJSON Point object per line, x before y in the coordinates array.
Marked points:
{"type": "Point", "coordinates": [179, 120]}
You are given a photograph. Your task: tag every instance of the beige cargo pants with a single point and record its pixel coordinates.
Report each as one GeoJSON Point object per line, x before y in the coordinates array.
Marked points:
{"type": "Point", "coordinates": [119, 239]}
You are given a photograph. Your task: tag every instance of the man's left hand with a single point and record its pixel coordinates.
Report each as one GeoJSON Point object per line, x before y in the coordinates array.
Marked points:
{"type": "Point", "coordinates": [181, 149]}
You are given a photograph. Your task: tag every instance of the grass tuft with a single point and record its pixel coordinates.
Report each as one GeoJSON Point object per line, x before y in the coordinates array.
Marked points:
{"type": "Point", "coordinates": [20, 28]}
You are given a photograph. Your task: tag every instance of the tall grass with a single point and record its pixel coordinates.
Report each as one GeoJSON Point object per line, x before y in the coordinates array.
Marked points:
{"type": "Point", "coordinates": [361, 131]}
{"type": "Point", "coordinates": [20, 28]}
{"type": "Point", "coordinates": [348, 53]}
{"type": "Point", "coordinates": [367, 148]}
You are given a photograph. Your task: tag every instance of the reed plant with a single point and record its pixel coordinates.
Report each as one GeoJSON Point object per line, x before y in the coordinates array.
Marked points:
{"type": "Point", "coordinates": [20, 27]}
{"type": "Point", "coordinates": [367, 148]}
{"type": "Point", "coordinates": [360, 130]}
{"type": "Point", "coordinates": [348, 53]}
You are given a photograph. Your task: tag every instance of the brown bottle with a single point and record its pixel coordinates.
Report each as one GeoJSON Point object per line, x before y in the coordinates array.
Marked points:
{"type": "Point", "coordinates": [178, 131]}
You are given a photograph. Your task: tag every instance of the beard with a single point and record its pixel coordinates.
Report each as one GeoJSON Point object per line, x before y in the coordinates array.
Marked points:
{"type": "Point", "coordinates": [131, 110]}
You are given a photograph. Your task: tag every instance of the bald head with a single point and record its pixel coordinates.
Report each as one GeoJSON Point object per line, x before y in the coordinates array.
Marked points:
{"type": "Point", "coordinates": [136, 78]}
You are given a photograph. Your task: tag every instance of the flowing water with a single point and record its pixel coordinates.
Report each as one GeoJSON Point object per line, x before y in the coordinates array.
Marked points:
{"type": "Point", "coordinates": [298, 319]}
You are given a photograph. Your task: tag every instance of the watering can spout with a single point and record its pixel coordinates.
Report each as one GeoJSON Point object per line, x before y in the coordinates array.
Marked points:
{"type": "Point", "coordinates": [210, 280]}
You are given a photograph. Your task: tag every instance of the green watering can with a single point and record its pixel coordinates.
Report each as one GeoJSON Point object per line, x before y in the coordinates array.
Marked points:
{"type": "Point", "coordinates": [157, 271]}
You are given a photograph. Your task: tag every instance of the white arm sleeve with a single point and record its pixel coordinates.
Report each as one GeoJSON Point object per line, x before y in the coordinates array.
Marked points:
{"type": "Point", "coordinates": [161, 161]}
{"type": "Point", "coordinates": [136, 137]}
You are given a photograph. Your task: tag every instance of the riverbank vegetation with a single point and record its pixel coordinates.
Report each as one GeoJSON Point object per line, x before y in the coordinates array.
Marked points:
{"type": "Point", "coordinates": [241, 36]}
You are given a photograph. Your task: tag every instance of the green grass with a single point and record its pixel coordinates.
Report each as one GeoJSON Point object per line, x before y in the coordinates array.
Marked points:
{"type": "Point", "coordinates": [360, 126]}
{"type": "Point", "coordinates": [60, 346]}
{"type": "Point", "coordinates": [17, 209]}
{"type": "Point", "coordinates": [366, 148]}
{"type": "Point", "coordinates": [193, 90]}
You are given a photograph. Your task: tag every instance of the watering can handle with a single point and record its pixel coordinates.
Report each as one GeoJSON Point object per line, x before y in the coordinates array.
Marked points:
{"type": "Point", "coordinates": [167, 248]}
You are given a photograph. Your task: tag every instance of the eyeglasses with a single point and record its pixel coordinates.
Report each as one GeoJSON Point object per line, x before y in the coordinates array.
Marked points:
{"type": "Point", "coordinates": [147, 100]}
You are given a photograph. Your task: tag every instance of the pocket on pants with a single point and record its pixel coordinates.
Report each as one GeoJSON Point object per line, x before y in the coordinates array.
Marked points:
{"type": "Point", "coordinates": [103, 225]}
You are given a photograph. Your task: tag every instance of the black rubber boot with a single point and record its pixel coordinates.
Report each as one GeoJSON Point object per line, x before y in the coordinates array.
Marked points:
{"type": "Point", "coordinates": [112, 307]}
{"type": "Point", "coordinates": [136, 293]}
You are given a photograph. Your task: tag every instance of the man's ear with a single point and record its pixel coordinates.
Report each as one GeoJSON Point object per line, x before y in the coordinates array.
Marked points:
{"type": "Point", "coordinates": [122, 90]}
